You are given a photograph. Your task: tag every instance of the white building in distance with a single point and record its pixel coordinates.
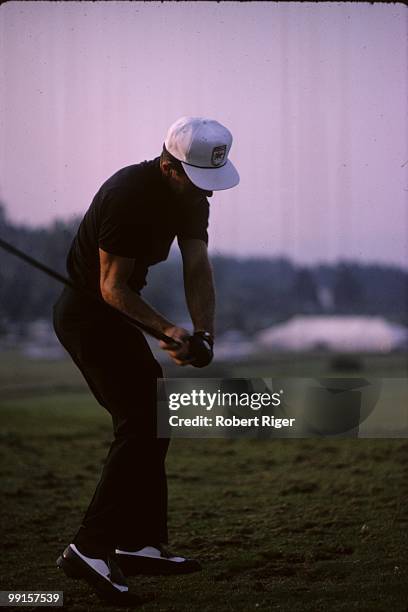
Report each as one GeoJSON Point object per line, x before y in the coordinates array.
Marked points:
{"type": "Point", "coordinates": [335, 333]}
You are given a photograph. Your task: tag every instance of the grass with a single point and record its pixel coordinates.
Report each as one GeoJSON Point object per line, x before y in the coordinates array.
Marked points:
{"type": "Point", "coordinates": [290, 525]}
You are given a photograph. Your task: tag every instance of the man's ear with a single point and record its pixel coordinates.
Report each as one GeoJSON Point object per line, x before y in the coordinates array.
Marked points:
{"type": "Point", "coordinates": [168, 170]}
{"type": "Point", "coordinates": [165, 167]}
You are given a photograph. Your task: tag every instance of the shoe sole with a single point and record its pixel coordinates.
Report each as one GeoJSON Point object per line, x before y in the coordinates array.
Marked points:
{"type": "Point", "coordinates": [132, 566]}
{"type": "Point", "coordinates": [102, 587]}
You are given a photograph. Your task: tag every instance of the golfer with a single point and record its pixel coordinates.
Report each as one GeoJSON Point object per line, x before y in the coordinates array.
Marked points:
{"type": "Point", "coordinates": [130, 226]}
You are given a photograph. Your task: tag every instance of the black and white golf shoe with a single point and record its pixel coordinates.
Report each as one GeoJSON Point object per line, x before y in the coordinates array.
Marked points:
{"type": "Point", "coordinates": [154, 561]}
{"type": "Point", "coordinates": [104, 575]}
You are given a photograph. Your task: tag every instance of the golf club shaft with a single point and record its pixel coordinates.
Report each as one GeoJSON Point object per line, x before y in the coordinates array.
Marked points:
{"type": "Point", "coordinates": [66, 281]}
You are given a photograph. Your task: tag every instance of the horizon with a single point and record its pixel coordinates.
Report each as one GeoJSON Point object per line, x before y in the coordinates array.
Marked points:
{"type": "Point", "coordinates": [175, 253]}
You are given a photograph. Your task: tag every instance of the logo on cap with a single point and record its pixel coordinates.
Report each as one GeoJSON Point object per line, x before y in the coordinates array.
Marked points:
{"type": "Point", "coordinates": [218, 154]}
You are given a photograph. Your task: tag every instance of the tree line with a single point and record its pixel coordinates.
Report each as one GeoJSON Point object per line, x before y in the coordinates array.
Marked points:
{"type": "Point", "coordinates": [252, 293]}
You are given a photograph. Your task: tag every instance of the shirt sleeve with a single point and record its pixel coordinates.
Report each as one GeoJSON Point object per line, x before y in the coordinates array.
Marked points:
{"type": "Point", "coordinates": [119, 229]}
{"type": "Point", "coordinates": [195, 221]}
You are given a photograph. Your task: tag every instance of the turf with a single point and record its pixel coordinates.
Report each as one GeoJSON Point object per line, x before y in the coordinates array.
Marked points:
{"type": "Point", "coordinates": [289, 525]}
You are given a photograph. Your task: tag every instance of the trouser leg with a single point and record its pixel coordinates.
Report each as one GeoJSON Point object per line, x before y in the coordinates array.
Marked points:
{"type": "Point", "coordinates": [129, 505]}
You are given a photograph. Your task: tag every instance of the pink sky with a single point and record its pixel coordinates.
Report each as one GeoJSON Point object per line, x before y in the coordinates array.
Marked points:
{"type": "Point", "coordinates": [314, 94]}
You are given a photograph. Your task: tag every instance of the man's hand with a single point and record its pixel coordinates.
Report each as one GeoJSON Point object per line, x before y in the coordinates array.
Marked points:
{"type": "Point", "coordinates": [201, 349]}
{"type": "Point", "coordinates": [196, 350]}
{"type": "Point", "coordinates": [186, 349]}
{"type": "Point", "coordinates": [179, 350]}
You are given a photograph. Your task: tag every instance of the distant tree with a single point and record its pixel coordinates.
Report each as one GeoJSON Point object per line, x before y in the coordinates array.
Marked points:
{"type": "Point", "coordinates": [305, 292]}
{"type": "Point", "coordinates": [252, 293]}
{"type": "Point", "coordinates": [3, 217]}
{"type": "Point", "coordinates": [26, 293]}
{"type": "Point", "coordinates": [348, 294]}
{"type": "Point", "coordinates": [386, 291]}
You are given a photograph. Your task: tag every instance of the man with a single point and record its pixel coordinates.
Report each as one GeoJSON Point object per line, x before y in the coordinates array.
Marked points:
{"type": "Point", "coordinates": [130, 225]}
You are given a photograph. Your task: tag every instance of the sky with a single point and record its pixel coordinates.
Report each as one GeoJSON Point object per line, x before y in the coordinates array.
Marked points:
{"type": "Point", "coordinates": [315, 95]}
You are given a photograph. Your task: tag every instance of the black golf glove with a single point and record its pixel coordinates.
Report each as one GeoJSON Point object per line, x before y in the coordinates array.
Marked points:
{"type": "Point", "coordinates": [201, 349]}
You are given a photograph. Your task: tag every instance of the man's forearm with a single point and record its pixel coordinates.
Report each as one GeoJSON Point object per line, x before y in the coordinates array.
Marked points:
{"type": "Point", "coordinates": [130, 303]}
{"type": "Point", "coordinates": [200, 296]}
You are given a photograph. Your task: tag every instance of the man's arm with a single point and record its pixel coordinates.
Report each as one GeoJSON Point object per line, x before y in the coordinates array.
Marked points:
{"type": "Point", "coordinates": [115, 272]}
{"type": "Point", "coordinates": [198, 284]}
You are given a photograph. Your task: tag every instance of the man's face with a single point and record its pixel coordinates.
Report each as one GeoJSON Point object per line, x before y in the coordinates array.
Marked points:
{"type": "Point", "coordinates": [181, 185]}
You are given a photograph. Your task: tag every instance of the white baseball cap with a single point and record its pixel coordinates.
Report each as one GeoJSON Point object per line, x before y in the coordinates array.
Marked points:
{"type": "Point", "coordinates": [202, 146]}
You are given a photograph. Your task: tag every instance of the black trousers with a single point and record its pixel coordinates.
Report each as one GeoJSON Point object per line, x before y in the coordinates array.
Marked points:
{"type": "Point", "coordinates": [129, 506]}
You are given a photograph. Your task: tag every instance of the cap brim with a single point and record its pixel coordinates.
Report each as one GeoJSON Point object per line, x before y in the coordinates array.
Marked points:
{"type": "Point", "coordinates": [213, 179]}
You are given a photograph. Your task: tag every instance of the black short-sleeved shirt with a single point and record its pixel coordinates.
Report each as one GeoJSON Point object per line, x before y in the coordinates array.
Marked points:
{"type": "Point", "coordinates": [134, 214]}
